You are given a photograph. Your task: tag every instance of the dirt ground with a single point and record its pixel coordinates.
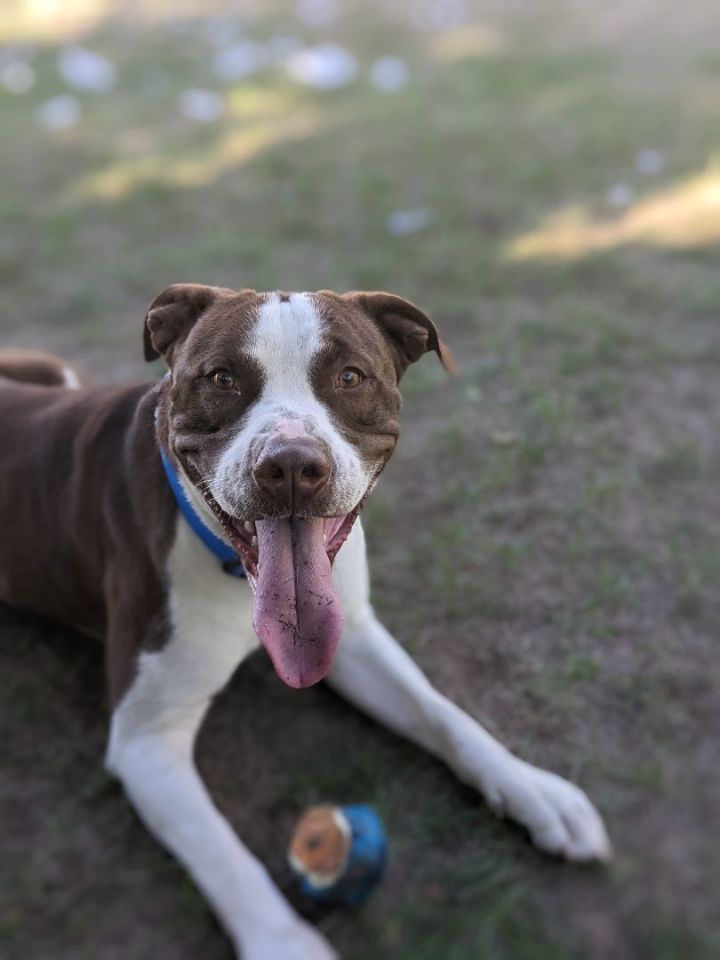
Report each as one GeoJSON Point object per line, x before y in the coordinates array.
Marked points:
{"type": "Point", "coordinates": [546, 541]}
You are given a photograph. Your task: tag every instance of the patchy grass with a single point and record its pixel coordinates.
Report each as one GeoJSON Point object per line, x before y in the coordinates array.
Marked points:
{"type": "Point", "coordinates": [547, 538]}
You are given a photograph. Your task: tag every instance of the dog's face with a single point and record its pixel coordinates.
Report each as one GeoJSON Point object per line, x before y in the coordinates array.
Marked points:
{"type": "Point", "coordinates": [281, 411]}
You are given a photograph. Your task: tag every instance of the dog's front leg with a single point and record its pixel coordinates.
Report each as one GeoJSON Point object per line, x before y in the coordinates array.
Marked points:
{"type": "Point", "coordinates": [374, 672]}
{"type": "Point", "coordinates": [156, 768]}
{"type": "Point", "coordinates": [207, 634]}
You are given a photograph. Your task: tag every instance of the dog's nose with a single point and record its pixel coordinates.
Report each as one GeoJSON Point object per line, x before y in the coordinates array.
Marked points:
{"type": "Point", "coordinates": [293, 473]}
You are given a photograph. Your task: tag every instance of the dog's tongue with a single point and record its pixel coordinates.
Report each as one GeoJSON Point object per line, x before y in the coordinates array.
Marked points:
{"type": "Point", "coordinates": [296, 612]}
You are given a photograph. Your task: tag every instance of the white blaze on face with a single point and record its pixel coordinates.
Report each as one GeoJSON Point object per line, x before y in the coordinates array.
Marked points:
{"type": "Point", "coordinates": [285, 340]}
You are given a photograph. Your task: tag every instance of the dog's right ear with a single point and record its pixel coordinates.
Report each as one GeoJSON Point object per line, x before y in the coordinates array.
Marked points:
{"type": "Point", "coordinates": [410, 331]}
{"type": "Point", "coordinates": [172, 315]}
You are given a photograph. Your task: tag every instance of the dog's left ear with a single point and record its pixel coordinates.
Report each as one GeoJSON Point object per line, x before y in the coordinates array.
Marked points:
{"type": "Point", "coordinates": [410, 332]}
{"type": "Point", "coordinates": [173, 313]}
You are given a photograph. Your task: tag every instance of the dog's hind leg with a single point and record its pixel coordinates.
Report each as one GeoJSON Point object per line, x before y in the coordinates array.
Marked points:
{"type": "Point", "coordinates": [373, 672]}
{"type": "Point", "coordinates": [42, 369]}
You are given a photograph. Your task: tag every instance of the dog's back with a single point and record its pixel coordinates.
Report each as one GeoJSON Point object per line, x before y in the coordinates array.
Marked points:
{"type": "Point", "coordinates": [63, 475]}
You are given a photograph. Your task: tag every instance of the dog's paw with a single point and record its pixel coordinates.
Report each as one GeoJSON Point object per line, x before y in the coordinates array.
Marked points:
{"type": "Point", "coordinates": [560, 818]}
{"type": "Point", "coordinates": [300, 941]}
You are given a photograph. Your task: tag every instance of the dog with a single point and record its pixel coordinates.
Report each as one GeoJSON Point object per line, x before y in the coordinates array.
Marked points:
{"type": "Point", "coordinates": [188, 521]}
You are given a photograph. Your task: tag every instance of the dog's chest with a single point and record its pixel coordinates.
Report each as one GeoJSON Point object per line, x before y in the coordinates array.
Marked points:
{"type": "Point", "coordinates": [210, 614]}
{"type": "Point", "coordinates": [211, 611]}
{"type": "Point", "coordinates": [210, 620]}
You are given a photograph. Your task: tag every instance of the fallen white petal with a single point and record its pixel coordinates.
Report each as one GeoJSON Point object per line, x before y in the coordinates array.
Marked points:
{"type": "Point", "coordinates": [389, 74]}
{"type": "Point", "coordinates": [649, 162]}
{"type": "Point", "coordinates": [323, 67]}
{"type": "Point", "coordinates": [401, 222]}
{"type": "Point", "coordinates": [202, 106]}
{"type": "Point", "coordinates": [620, 195]}
{"type": "Point", "coordinates": [85, 70]}
{"type": "Point", "coordinates": [315, 13]}
{"type": "Point", "coordinates": [59, 113]}
{"type": "Point", "coordinates": [18, 76]}
{"type": "Point", "coordinates": [239, 60]}
{"type": "Point", "coordinates": [438, 14]}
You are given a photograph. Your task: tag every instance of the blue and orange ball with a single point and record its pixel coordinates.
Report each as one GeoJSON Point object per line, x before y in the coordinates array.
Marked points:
{"type": "Point", "coordinates": [339, 853]}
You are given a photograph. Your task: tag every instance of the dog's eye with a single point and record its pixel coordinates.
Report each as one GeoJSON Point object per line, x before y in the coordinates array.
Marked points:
{"type": "Point", "coordinates": [350, 377]}
{"type": "Point", "coordinates": [222, 379]}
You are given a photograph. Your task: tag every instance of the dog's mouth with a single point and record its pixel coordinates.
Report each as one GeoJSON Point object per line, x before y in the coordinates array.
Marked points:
{"type": "Point", "coordinates": [243, 535]}
{"type": "Point", "coordinates": [297, 614]}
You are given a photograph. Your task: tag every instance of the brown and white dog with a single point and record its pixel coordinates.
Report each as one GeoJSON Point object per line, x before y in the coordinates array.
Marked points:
{"type": "Point", "coordinates": [278, 413]}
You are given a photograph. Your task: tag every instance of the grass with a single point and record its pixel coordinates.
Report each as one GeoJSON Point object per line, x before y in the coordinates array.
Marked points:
{"type": "Point", "coordinates": [546, 540]}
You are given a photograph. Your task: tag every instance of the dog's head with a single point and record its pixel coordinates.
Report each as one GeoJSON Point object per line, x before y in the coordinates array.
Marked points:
{"type": "Point", "coordinates": [279, 412]}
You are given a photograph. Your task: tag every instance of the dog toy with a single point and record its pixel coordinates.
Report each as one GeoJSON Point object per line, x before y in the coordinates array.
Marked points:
{"type": "Point", "coordinates": [339, 853]}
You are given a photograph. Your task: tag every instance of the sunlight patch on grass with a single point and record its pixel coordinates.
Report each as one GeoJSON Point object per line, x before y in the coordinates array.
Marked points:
{"type": "Point", "coordinates": [33, 20]}
{"type": "Point", "coordinates": [253, 103]}
{"type": "Point", "coordinates": [233, 149]}
{"type": "Point", "coordinates": [471, 40]}
{"type": "Point", "coordinates": [682, 216]}
{"type": "Point", "coordinates": [51, 19]}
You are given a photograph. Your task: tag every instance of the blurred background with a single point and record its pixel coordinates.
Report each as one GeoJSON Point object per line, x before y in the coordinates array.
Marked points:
{"type": "Point", "coordinates": [544, 179]}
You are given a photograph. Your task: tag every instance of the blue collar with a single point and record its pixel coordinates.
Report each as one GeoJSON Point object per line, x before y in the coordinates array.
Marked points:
{"type": "Point", "coordinates": [231, 562]}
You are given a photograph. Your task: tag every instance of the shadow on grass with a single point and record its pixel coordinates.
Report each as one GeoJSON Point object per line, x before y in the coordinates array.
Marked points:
{"type": "Point", "coordinates": [78, 864]}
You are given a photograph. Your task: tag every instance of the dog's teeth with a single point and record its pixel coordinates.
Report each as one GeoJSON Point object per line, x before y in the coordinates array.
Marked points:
{"type": "Point", "coordinates": [250, 526]}
{"type": "Point", "coordinates": [253, 542]}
